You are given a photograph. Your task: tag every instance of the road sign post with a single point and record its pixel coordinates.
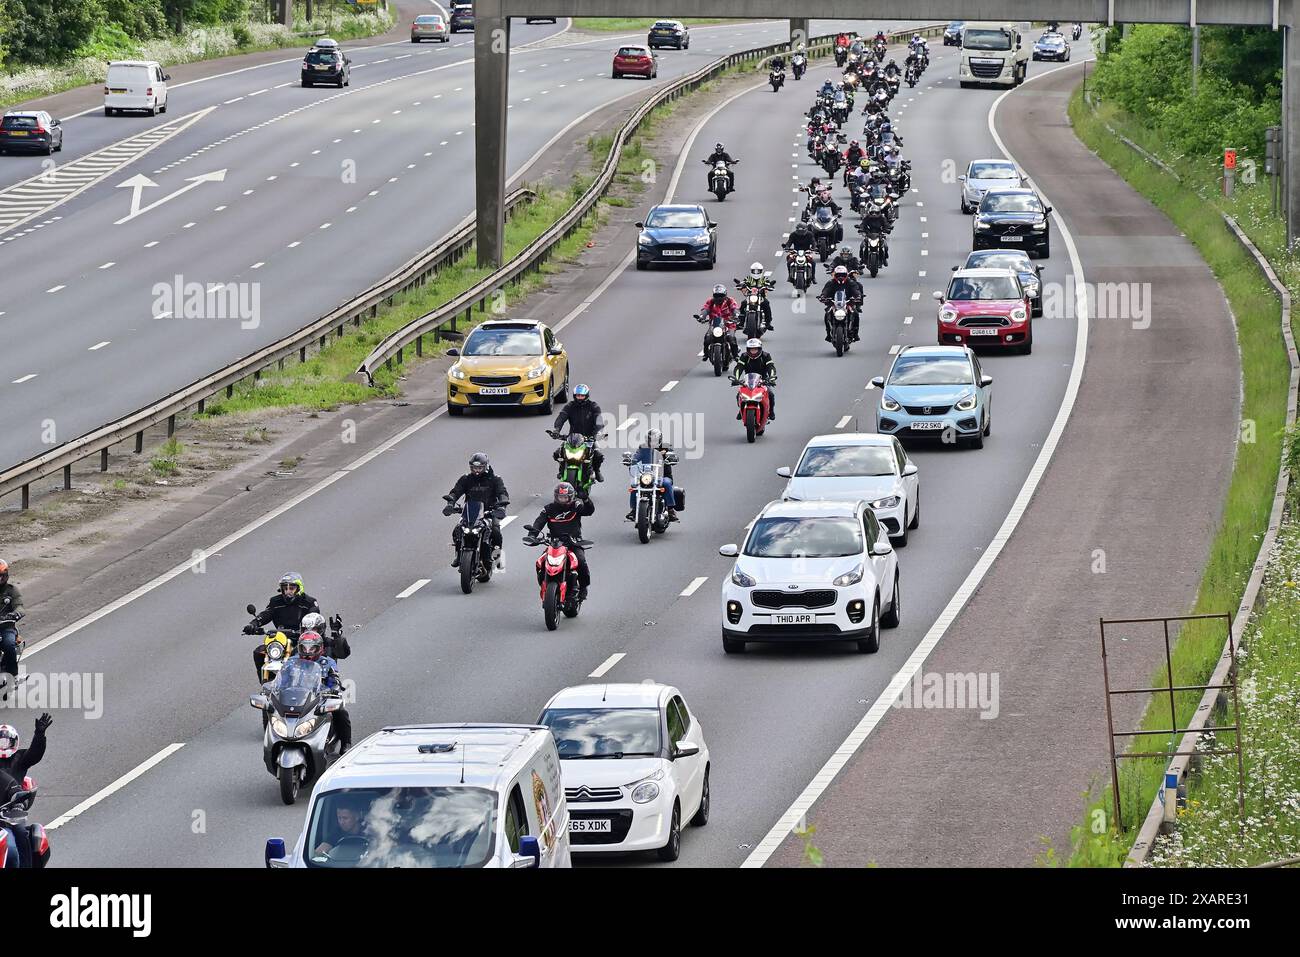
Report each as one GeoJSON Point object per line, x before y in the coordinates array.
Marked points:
{"type": "Point", "coordinates": [1229, 170]}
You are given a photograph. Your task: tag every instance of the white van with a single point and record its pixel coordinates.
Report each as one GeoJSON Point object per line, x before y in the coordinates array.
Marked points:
{"type": "Point", "coordinates": [437, 795]}
{"type": "Point", "coordinates": [138, 85]}
{"type": "Point", "coordinates": [994, 53]}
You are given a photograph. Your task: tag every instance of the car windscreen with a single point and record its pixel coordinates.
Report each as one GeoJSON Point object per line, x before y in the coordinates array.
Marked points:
{"type": "Point", "coordinates": [996, 260]}
{"type": "Point", "coordinates": [632, 52]}
{"type": "Point", "coordinates": [428, 19]}
{"type": "Point", "coordinates": [1010, 203]}
{"type": "Point", "coordinates": [805, 537]}
{"type": "Point", "coordinates": [967, 288]}
{"type": "Point", "coordinates": [322, 56]}
{"type": "Point", "coordinates": [931, 370]}
{"type": "Point", "coordinates": [993, 171]}
{"type": "Point", "coordinates": [843, 461]}
{"type": "Point", "coordinates": [972, 39]}
{"type": "Point", "coordinates": [21, 122]}
{"type": "Point", "coordinates": [590, 733]}
{"type": "Point", "coordinates": [676, 219]}
{"type": "Point", "coordinates": [402, 827]}
{"type": "Point", "coordinates": [503, 342]}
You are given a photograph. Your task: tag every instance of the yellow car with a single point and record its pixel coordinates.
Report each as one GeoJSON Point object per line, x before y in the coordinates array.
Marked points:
{"type": "Point", "coordinates": [508, 363]}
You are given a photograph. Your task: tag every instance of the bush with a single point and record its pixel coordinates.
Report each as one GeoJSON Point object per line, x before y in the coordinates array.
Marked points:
{"type": "Point", "coordinates": [242, 36]}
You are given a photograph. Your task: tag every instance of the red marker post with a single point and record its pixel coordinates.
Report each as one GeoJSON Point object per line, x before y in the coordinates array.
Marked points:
{"type": "Point", "coordinates": [1229, 170]}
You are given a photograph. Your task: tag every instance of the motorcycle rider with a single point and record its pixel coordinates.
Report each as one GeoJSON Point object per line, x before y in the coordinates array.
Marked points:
{"type": "Point", "coordinates": [757, 282]}
{"type": "Point", "coordinates": [853, 155]}
{"type": "Point", "coordinates": [11, 603]}
{"type": "Point", "coordinates": [758, 361]}
{"type": "Point", "coordinates": [15, 762]}
{"type": "Point", "coordinates": [481, 484]}
{"type": "Point", "coordinates": [336, 645]}
{"type": "Point", "coordinates": [776, 63]}
{"type": "Point", "coordinates": [875, 220]}
{"type": "Point", "coordinates": [651, 447]}
{"type": "Point", "coordinates": [285, 611]}
{"type": "Point", "coordinates": [846, 259]}
{"type": "Point", "coordinates": [827, 90]}
{"type": "Point", "coordinates": [801, 239]}
{"type": "Point", "coordinates": [311, 647]}
{"type": "Point", "coordinates": [719, 306]}
{"type": "Point", "coordinates": [841, 281]}
{"type": "Point", "coordinates": [562, 517]}
{"type": "Point", "coordinates": [583, 416]}
{"type": "Point", "coordinates": [720, 153]}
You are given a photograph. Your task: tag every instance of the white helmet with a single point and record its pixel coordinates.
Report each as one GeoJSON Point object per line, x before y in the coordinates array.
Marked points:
{"type": "Point", "coordinates": [9, 741]}
{"type": "Point", "coordinates": [314, 622]}
{"type": "Point", "coordinates": [749, 344]}
{"type": "Point", "coordinates": [756, 270]}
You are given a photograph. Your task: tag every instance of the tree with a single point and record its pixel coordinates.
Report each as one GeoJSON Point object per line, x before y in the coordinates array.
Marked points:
{"type": "Point", "coordinates": [141, 19]}
{"type": "Point", "coordinates": [40, 32]}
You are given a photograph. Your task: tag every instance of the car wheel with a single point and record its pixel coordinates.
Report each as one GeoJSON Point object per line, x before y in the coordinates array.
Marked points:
{"type": "Point", "coordinates": [108, 111]}
{"type": "Point", "coordinates": [894, 615]}
{"type": "Point", "coordinates": [966, 210]}
{"type": "Point", "coordinates": [641, 267]}
{"type": "Point", "coordinates": [701, 817]}
{"type": "Point", "coordinates": [1025, 350]}
{"type": "Point", "coordinates": [546, 407]}
{"type": "Point", "coordinates": [153, 109]}
{"type": "Point", "coordinates": [733, 646]}
{"type": "Point", "coordinates": [618, 76]}
{"type": "Point", "coordinates": [563, 394]}
{"type": "Point", "coordinates": [305, 84]}
{"type": "Point", "coordinates": [916, 511]}
{"type": "Point", "coordinates": [1036, 309]}
{"type": "Point", "coordinates": [673, 849]}
{"type": "Point", "coordinates": [871, 644]}
{"type": "Point", "coordinates": [977, 440]}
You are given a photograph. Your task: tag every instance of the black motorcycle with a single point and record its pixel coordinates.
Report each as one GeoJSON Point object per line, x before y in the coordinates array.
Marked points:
{"type": "Point", "coordinates": [872, 251]}
{"type": "Point", "coordinates": [777, 79]}
{"type": "Point", "coordinates": [798, 64]}
{"type": "Point", "coordinates": [721, 349]}
{"type": "Point", "coordinates": [473, 539]}
{"type": "Point", "coordinates": [827, 232]}
{"type": "Point", "coordinates": [838, 317]}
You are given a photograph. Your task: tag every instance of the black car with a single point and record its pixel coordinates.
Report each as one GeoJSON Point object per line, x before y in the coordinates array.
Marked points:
{"type": "Point", "coordinates": [669, 33]}
{"type": "Point", "coordinates": [462, 18]}
{"type": "Point", "coordinates": [1052, 46]}
{"type": "Point", "coordinates": [677, 234]}
{"type": "Point", "coordinates": [539, 19]}
{"type": "Point", "coordinates": [952, 33]}
{"type": "Point", "coordinates": [30, 131]}
{"type": "Point", "coordinates": [326, 63]}
{"type": "Point", "coordinates": [1017, 260]}
{"type": "Point", "coordinates": [1013, 219]}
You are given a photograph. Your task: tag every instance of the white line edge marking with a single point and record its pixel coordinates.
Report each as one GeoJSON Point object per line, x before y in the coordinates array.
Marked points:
{"type": "Point", "coordinates": [608, 663]}
{"type": "Point", "coordinates": [842, 755]}
{"type": "Point", "coordinates": [113, 788]}
{"type": "Point", "coordinates": [419, 583]}
{"type": "Point", "coordinates": [693, 587]}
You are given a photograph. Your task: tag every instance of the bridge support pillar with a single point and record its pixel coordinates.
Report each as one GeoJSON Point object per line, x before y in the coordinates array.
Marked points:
{"type": "Point", "coordinates": [491, 91]}
{"type": "Point", "coordinates": [798, 32]}
{"type": "Point", "coordinates": [1291, 131]}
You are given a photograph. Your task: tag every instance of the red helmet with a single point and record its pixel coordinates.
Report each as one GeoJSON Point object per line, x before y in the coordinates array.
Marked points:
{"type": "Point", "coordinates": [311, 646]}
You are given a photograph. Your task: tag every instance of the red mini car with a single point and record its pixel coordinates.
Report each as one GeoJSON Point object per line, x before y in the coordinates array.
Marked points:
{"type": "Point", "coordinates": [985, 307]}
{"type": "Point", "coordinates": [636, 61]}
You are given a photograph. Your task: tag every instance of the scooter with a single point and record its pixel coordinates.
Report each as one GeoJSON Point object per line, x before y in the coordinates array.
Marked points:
{"type": "Point", "coordinates": [557, 577]}
{"type": "Point", "coordinates": [299, 742]}
{"type": "Point", "coordinates": [751, 398]}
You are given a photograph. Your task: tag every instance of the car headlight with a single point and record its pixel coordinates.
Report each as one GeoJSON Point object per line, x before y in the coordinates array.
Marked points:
{"type": "Point", "coordinates": [279, 727]}
{"type": "Point", "coordinates": [537, 373]}
{"type": "Point", "coordinates": [305, 728]}
{"type": "Point", "coordinates": [966, 404]}
{"type": "Point", "coordinates": [888, 404]}
{"type": "Point", "coordinates": [740, 578]}
{"type": "Point", "coordinates": [455, 373]}
{"type": "Point", "coordinates": [1018, 314]}
{"type": "Point", "coordinates": [889, 501]}
{"type": "Point", "coordinates": [701, 240]}
{"type": "Point", "coordinates": [1039, 227]}
{"type": "Point", "coordinates": [645, 793]}
{"type": "Point", "coordinates": [646, 479]}
{"type": "Point", "coordinates": [644, 240]}
{"type": "Point", "coordinates": [947, 315]}
{"type": "Point", "coordinates": [849, 578]}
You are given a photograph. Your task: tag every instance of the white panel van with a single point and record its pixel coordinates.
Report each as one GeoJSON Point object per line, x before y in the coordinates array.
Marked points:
{"type": "Point", "coordinates": [135, 85]}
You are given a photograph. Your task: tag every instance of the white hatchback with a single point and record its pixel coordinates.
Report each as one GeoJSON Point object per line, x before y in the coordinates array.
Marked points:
{"type": "Point", "coordinates": [860, 465]}
{"type": "Point", "coordinates": [135, 85]}
{"type": "Point", "coordinates": [634, 764]}
{"type": "Point", "coordinates": [811, 571]}
{"type": "Point", "coordinates": [983, 175]}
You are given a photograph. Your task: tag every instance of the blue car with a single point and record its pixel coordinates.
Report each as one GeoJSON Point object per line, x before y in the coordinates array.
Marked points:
{"type": "Point", "coordinates": [936, 390]}
{"type": "Point", "coordinates": [1017, 260]}
{"type": "Point", "coordinates": [677, 234]}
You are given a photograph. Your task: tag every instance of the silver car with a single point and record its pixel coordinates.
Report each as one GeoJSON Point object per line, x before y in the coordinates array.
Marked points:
{"type": "Point", "coordinates": [984, 174]}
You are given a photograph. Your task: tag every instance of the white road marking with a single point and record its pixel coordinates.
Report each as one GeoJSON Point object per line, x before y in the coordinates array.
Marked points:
{"type": "Point", "coordinates": [325, 225]}
{"type": "Point", "coordinates": [608, 663]}
{"type": "Point", "coordinates": [113, 788]}
{"type": "Point", "coordinates": [99, 345]}
{"type": "Point", "coordinates": [56, 288]}
{"type": "Point", "coordinates": [235, 100]}
{"type": "Point", "coordinates": [294, 244]}
{"type": "Point", "coordinates": [260, 92]}
{"type": "Point", "coordinates": [507, 520]}
{"type": "Point", "coordinates": [893, 350]}
{"type": "Point", "coordinates": [26, 378]}
{"type": "Point", "coordinates": [187, 225]}
{"type": "Point", "coordinates": [907, 320]}
{"type": "Point", "coordinates": [257, 265]}
{"type": "Point", "coordinates": [669, 386]}
{"type": "Point", "coordinates": [411, 590]}
{"type": "Point", "coordinates": [844, 421]}
{"type": "Point", "coordinates": [108, 265]}
{"type": "Point", "coordinates": [693, 587]}
{"type": "Point", "coordinates": [915, 296]}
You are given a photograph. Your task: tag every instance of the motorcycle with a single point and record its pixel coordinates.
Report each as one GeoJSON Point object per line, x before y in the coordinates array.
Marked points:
{"type": "Point", "coordinates": [831, 160]}
{"type": "Point", "coordinates": [801, 270]}
{"type": "Point", "coordinates": [841, 54]}
{"type": "Point", "coordinates": [277, 644]}
{"type": "Point", "coordinates": [777, 79]}
{"type": "Point", "coordinates": [298, 742]}
{"type": "Point", "coordinates": [912, 76]}
{"type": "Point", "coordinates": [872, 252]}
{"type": "Point", "coordinates": [798, 64]}
{"type": "Point", "coordinates": [8, 682]}
{"type": "Point", "coordinates": [720, 180]}
{"type": "Point", "coordinates": [14, 821]}
{"type": "Point", "coordinates": [751, 322]}
{"type": "Point", "coordinates": [837, 320]}
{"type": "Point", "coordinates": [840, 112]}
{"type": "Point", "coordinates": [721, 349]}
{"type": "Point", "coordinates": [650, 513]}
{"type": "Point", "coordinates": [826, 231]}
{"type": "Point", "coordinates": [557, 575]}
{"type": "Point", "coordinates": [1076, 31]}
{"type": "Point", "coordinates": [577, 452]}
{"type": "Point", "coordinates": [751, 399]}
{"type": "Point", "coordinates": [878, 49]}
{"type": "Point", "coordinates": [475, 551]}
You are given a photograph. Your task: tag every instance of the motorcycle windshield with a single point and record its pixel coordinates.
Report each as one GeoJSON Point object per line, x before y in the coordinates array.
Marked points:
{"type": "Point", "coordinates": [471, 513]}
{"type": "Point", "coordinates": [824, 216]}
{"type": "Point", "coordinates": [751, 380]}
{"type": "Point", "coordinates": [297, 685]}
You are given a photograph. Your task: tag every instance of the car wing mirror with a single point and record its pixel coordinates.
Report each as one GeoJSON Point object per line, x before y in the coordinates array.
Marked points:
{"type": "Point", "coordinates": [530, 853]}
{"type": "Point", "coordinates": [986, 381]}
{"type": "Point", "coordinates": [784, 471]}
{"type": "Point", "coordinates": [878, 382]}
{"type": "Point", "coordinates": [1047, 209]}
{"type": "Point", "coordinates": [938, 295]}
{"type": "Point", "coordinates": [881, 548]}
{"type": "Point", "coordinates": [962, 177]}
{"type": "Point", "coordinates": [910, 468]}
{"type": "Point", "coordinates": [684, 749]}
{"type": "Point", "coordinates": [274, 855]}
{"type": "Point", "coordinates": [453, 352]}
{"type": "Point", "coordinates": [640, 225]}
{"type": "Point", "coordinates": [729, 551]}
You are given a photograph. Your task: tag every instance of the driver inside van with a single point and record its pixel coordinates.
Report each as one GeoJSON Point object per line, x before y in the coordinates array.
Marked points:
{"type": "Point", "coordinates": [351, 823]}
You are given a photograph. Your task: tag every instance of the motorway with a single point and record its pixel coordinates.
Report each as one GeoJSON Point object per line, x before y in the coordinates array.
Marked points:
{"type": "Point", "coordinates": [322, 193]}
{"type": "Point", "coordinates": [176, 672]}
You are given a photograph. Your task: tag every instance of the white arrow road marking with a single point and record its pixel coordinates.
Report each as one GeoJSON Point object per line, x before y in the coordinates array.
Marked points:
{"type": "Point", "coordinates": [215, 176]}
{"type": "Point", "coordinates": [138, 182]}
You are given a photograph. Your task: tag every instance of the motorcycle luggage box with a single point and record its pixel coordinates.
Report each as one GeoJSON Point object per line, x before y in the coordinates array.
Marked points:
{"type": "Point", "coordinates": [679, 494]}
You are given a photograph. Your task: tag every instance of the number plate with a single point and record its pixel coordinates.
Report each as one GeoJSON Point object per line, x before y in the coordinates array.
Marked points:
{"type": "Point", "coordinates": [674, 252]}
{"type": "Point", "coordinates": [1013, 239]}
{"type": "Point", "coordinates": [493, 390]}
{"type": "Point", "coordinates": [605, 826]}
{"type": "Point", "coordinates": [806, 619]}
{"type": "Point", "coordinates": [982, 332]}
{"type": "Point", "coordinates": [17, 132]}
{"type": "Point", "coordinates": [927, 426]}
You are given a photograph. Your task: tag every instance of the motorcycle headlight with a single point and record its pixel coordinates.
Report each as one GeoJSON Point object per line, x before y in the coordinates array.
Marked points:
{"type": "Point", "coordinates": [574, 455]}
{"type": "Point", "coordinates": [279, 727]}
{"type": "Point", "coordinates": [873, 243]}
{"type": "Point", "coordinates": [888, 404]}
{"type": "Point", "coordinates": [849, 578]}
{"type": "Point", "coordinates": [645, 793]}
{"type": "Point", "coordinates": [738, 577]}
{"type": "Point", "coordinates": [455, 373]}
{"type": "Point", "coordinates": [889, 501]}
{"type": "Point", "coordinates": [1018, 314]}
{"type": "Point", "coordinates": [646, 479]}
{"type": "Point", "coordinates": [966, 404]}
{"type": "Point", "coordinates": [947, 315]}
{"type": "Point", "coordinates": [537, 373]}
{"type": "Point", "coordinates": [275, 651]}
{"type": "Point", "coordinates": [306, 727]}
{"type": "Point", "coordinates": [717, 332]}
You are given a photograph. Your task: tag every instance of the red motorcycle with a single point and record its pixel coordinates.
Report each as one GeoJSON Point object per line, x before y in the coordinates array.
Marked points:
{"type": "Point", "coordinates": [751, 398]}
{"type": "Point", "coordinates": [557, 576]}
{"type": "Point", "coordinates": [13, 818]}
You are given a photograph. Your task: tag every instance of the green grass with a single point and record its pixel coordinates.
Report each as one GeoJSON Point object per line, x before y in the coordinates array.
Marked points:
{"type": "Point", "coordinates": [1194, 207]}
{"type": "Point", "coordinates": [632, 24]}
{"type": "Point", "coordinates": [167, 460]}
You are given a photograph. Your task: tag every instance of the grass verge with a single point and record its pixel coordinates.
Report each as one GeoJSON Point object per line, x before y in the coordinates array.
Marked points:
{"type": "Point", "coordinates": [1195, 208]}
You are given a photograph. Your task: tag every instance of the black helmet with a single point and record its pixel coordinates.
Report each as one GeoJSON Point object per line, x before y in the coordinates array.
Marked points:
{"type": "Point", "coordinates": [719, 293]}
{"type": "Point", "coordinates": [564, 494]}
{"type": "Point", "coordinates": [479, 463]}
{"type": "Point", "coordinates": [719, 148]}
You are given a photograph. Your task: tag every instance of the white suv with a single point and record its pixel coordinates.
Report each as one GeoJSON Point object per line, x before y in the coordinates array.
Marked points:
{"type": "Point", "coordinates": [634, 764]}
{"type": "Point", "coordinates": [811, 571]}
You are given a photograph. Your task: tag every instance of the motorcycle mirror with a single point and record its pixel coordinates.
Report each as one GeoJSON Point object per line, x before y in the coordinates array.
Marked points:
{"type": "Point", "coordinates": [251, 609]}
{"type": "Point", "coordinates": [258, 701]}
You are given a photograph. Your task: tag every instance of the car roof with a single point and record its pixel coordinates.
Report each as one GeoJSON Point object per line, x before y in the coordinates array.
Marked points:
{"type": "Point", "coordinates": [633, 46]}
{"type": "Point", "coordinates": [993, 161]}
{"type": "Point", "coordinates": [678, 207]}
{"type": "Point", "coordinates": [647, 694]}
{"type": "Point", "coordinates": [819, 508]}
{"type": "Point", "coordinates": [434, 754]}
{"type": "Point", "coordinates": [113, 63]}
{"type": "Point", "coordinates": [23, 112]}
{"type": "Point", "coordinates": [988, 253]}
{"type": "Point", "coordinates": [676, 23]}
{"type": "Point", "coordinates": [934, 352]}
{"type": "Point", "coordinates": [983, 272]}
{"type": "Point", "coordinates": [326, 42]}
{"type": "Point", "coordinates": [528, 324]}
{"type": "Point", "coordinates": [1013, 191]}
{"type": "Point", "coordinates": [851, 438]}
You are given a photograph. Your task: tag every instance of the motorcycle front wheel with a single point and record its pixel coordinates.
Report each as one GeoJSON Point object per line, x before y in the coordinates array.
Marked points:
{"type": "Point", "coordinates": [718, 360]}
{"type": "Point", "coordinates": [551, 605]}
{"type": "Point", "coordinates": [643, 521]}
{"type": "Point", "coordinates": [288, 785]}
{"type": "Point", "coordinates": [751, 426]}
{"type": "Point", "coordinates": [467, 562]}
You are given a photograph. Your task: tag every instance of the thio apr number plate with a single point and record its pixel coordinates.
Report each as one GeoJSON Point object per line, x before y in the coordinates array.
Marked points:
{"type": "Point", "coordinates": [599, 826]}
{"type": "Point", "coordinates": [493, 390]}
{"type": "Point", "coordinates": [794, 619]}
